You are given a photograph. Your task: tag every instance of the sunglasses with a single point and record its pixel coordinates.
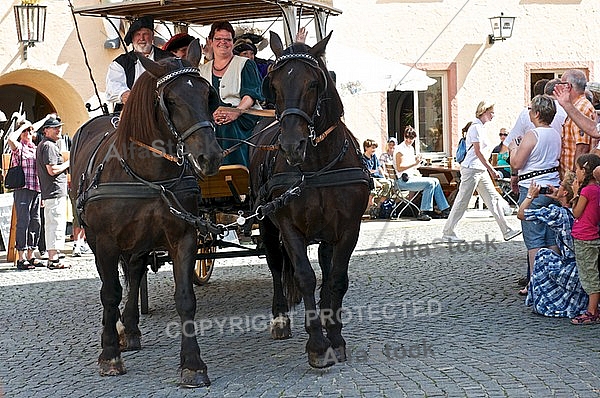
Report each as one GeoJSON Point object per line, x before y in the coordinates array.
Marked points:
{"type": "Point", "coordinates": [503, 135]}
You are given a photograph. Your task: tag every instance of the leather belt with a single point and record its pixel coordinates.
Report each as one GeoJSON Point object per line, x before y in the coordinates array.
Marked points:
{"type": "Point", "coordinates": [536, 173]}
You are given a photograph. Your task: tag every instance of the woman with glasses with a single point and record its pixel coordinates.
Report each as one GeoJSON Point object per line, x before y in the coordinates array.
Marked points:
{"type": "Point", "coordinates": [237, 82]}
{"type": "Point", "coordinates": [26, 199]}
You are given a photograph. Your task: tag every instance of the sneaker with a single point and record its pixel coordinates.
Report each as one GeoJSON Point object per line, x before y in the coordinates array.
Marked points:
{"type": "Point", "coordinates": [76, 251]}
{"type": "Point", "coordinates": [452, 239]}
{"type": "Point", "coordinates": [423, 217]}
{"type": "Point", "coordinates": [511, 233]}
{"type": "Point", "coordinates": [43, 255]}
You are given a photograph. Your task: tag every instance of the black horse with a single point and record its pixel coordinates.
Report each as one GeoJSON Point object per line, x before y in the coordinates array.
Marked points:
{"type": "Point", "coordinates": [136, 191]}
{"type": "Point", "coordinates": [312, 189]}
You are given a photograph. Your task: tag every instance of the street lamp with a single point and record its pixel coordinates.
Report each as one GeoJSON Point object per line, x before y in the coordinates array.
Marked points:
{"type": "Point", "coordinates": [502, 28]}
{"type": "Point", "coordinates": [31, 23]}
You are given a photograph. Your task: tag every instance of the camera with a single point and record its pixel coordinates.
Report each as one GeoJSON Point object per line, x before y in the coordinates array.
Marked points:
{"type": "Point", "coordinates": [404, 177]}
{"type": "Point", "coordinates": [545, 190]}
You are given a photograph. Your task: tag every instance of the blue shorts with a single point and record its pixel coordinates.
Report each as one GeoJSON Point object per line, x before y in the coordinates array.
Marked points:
{"type": "Point", "coordinates": [536, 234]}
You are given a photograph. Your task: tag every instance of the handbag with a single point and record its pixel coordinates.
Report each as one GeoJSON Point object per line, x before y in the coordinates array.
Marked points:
{"type": "Point", "coordinates": [15, 176]}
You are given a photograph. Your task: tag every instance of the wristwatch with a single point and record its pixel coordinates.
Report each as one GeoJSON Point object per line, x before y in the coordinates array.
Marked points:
{"type": "Point", "coordinates": [529, 197]}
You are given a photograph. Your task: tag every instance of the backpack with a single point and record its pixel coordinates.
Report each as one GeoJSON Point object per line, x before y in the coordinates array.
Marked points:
{"type": "Point", "coordinates": [461, 150]}
{"type": "Point", "coordinates": [385, 209]}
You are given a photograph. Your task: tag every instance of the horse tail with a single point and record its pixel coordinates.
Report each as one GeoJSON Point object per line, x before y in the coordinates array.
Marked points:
{"type": "Point", "coordinates": [123, 264]}
{"type": "Point", "coordinates": [291, 288]}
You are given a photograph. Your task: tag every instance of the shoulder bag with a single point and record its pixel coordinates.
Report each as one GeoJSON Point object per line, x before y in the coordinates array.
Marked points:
{"type": "Point", "coordinates": [15, 176]}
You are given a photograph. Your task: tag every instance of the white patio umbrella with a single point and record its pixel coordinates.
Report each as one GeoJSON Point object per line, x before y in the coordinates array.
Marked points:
{"type": "Point", "coordinates": [358, 72]}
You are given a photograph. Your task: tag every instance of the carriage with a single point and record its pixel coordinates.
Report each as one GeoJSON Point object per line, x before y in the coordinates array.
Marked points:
{"type": "Point", "coordinates": [312, 158]}
{"type": "Point", "coordinates": [225, 195]}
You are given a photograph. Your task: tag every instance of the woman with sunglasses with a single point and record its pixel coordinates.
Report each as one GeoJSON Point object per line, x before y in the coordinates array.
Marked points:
{"type": "Point", "coordinates": [26, 199]}
{"type": "Point", "coordinates": [502, 151]}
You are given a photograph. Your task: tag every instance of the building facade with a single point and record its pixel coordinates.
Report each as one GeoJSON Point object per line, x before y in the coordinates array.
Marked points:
{"type": "Point", "coordinates": [448, 39]}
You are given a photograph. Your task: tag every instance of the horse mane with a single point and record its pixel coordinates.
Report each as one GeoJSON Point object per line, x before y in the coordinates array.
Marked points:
{"type": "Point", "coordinates": [138, 119]}
{"type": "Point", "coordinates": [333, 108]}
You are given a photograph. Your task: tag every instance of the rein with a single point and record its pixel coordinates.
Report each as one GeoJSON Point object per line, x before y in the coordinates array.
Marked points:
{"type": "Point", "coordinates": [156, 151]}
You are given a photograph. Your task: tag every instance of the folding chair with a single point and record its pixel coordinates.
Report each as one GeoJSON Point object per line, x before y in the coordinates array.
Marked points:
{"type": "Point", "coordinates": [404, 199]}
{"type": "Point", "coordinates": [506, 191]}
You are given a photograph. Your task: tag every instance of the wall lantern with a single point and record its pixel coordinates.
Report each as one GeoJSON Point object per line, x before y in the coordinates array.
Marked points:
{"type": "Point", "coordinates": [502, 28]}
{"type": "Point", "coordinates": [31, 23]}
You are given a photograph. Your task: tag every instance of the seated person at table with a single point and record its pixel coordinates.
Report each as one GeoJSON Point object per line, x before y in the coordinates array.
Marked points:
{"type": "Point", "coordinates": [382, 184]}
{"type": "Point", "coordinates": [502, 151]}
{"type": "Point", "coordinates": [411, 180]}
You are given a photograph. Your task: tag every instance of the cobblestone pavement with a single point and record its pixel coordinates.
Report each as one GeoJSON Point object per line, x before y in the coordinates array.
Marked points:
{"type": "Point", "coordinates": [423, 320]}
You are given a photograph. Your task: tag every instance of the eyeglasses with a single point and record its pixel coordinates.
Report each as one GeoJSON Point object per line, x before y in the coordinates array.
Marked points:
{"type": "Point", "coordinates": [224, 39]}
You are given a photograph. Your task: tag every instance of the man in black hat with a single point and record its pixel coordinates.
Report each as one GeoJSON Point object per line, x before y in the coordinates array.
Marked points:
{"type": "Point", "coordinates": [52, 173]}
{"type": "Point", "coordinates": [126, 69]}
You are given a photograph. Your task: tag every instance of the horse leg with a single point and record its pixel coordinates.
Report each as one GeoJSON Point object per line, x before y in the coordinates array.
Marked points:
{"type": "Point", "coordinates": [318, 347]}
{"type": "Point", "coordinates": [336, 288]}
{"type": "Point", "coordinates": [280, 327]}
{"type": "Point", "coordinates": [193, 369]}
{"type": "Point", "coordinates": [130, 336]}
{"type": "Point", "coordinates": [110, 361]}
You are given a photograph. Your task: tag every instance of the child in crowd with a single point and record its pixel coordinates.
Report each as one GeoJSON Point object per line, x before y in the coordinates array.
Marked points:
{"type": "Point", "coordinates": [585, 233]}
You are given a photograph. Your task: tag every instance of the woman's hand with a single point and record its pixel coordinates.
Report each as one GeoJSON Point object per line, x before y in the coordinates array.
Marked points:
{"type": "Point", "coordinates": [224, 115]}
{"type": "Point", "coordinates": [534, 190]}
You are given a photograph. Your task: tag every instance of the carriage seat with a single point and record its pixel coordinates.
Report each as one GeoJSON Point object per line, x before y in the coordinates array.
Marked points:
{"type": "Point", "coordinates": [231, 181]}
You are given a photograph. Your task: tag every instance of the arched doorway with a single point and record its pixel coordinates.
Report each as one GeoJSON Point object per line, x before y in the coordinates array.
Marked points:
{"type": "Point", "coordinates": [14, 97]}
{"type": "Point", "coordinates": [42, 92]}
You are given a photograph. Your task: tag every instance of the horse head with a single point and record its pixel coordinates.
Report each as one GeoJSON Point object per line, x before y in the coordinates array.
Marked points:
{"type": "Point", "coordinates": [297, 84]}
{"type": "Point", "coordinates": [185, 103]}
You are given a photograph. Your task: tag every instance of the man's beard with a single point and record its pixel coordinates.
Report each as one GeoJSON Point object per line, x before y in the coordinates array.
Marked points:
{"type": "Point", "coordinates": [143, 48]}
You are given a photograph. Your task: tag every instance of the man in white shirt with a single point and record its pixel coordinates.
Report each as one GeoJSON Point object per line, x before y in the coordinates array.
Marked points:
{"type": "Point", "coordinates": [126, 69]}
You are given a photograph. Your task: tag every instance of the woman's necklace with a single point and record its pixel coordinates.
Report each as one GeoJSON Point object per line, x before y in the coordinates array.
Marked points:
{"type": "Point", "coordinates": [223, 68]}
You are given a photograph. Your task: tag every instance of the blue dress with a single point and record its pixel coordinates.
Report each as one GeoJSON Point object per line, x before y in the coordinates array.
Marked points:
{"type": "Point", "coordinates": [240, 129]}
{"type": "Point", "coordinates": [554, 288]}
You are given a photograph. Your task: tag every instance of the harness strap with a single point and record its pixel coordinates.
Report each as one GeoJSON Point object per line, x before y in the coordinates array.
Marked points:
{"type": "Point", "coordinates": [154, 150]}
{"type": "Point", "coordinates": [324, 135]}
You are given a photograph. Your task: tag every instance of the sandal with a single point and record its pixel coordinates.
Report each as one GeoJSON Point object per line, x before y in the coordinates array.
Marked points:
{"type": "Point", "coordinates": [56, 264]}
{"type": "Point", "coordinates": [23, 265]}
{"type": "Point", "coordinates": [587, 318]}
{"type": "Point", "coordinates": [35, 262]}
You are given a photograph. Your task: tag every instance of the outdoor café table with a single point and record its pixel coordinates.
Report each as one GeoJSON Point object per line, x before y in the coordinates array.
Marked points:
{"type": "Point", "coordinates": [451, 176]}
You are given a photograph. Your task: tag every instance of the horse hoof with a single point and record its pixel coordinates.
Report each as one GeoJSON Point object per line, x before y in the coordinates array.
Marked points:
{"type": "Point", "coordinates": [130, 342]}
{"type": "Point", "coordinates": [112, 367]}
{"type": "Point", "coordinates": [280, 328]}
{"type": "Point", "coordinates": [194, 378]}
{"type": "Point", "coordinates": [324, 360]}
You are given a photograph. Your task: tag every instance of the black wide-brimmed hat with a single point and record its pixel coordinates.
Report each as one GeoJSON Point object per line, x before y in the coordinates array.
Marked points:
{"type": "Point", "coordinates": [178, 41]}
{"type": "Point", "coordinates": [52, 122]}
{"type": "Point", "coordinates": [142, 22]}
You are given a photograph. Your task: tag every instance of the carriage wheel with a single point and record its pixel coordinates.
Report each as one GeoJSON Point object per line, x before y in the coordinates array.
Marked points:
{"type": "Point", "coordinates": [204, 268]}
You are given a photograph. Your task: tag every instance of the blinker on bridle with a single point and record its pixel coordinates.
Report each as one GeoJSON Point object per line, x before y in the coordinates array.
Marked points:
{"type": "Point", "coordinates": [161, 84]}
{"type": "Point", "coordinates": [314, 63]}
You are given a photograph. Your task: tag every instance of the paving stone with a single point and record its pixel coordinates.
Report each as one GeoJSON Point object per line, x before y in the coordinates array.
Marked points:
{"type": "Point", "coordinates": [485, 342]}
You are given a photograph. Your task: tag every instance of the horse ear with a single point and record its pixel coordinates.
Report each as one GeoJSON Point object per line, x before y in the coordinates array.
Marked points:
{"type": "Point", "coordinates": [276, 44]}
{"type": "Point", "coordinates": [151, 67]}
{"type": "Point", "coordinates": [318, 50]}
{"type": "Point", "coordinates": [194, 53]}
